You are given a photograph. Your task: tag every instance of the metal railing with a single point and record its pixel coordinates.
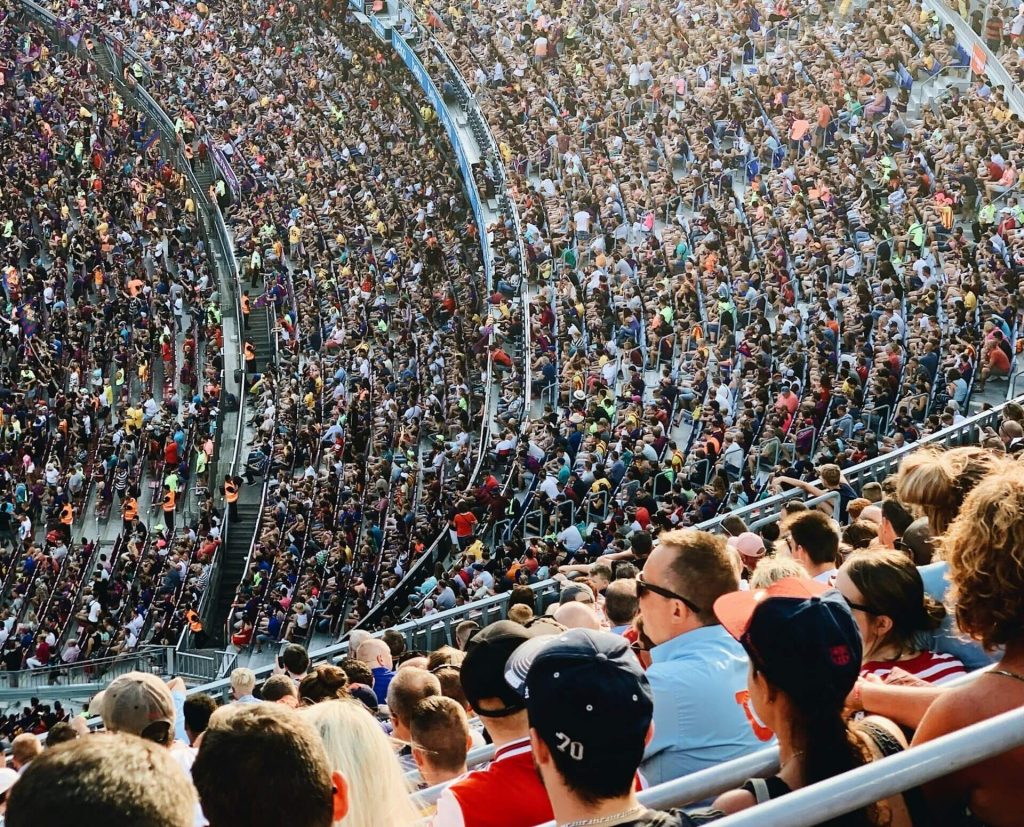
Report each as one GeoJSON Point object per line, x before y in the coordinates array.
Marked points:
{"type": "Point", "coordinates": [155, 659]}
{"type": "Point", "coordinates": [966, 432]}
{"type": "Point", "coordinates": [878, 780]}
{"type": "Point", "coordinates": [432, 631]}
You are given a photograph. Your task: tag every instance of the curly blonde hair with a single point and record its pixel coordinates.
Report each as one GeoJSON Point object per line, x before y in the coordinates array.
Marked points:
{"type": "Point", "coordinates": [936, 481]}
{"type": "Point", "coordinates": [985, 549]}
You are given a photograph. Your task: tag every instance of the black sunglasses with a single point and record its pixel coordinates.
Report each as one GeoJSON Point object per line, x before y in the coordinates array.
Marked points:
{"type": "Point", "coordinates": [643, 586]}
{"type": "Point", "coordinates": [860, 607]}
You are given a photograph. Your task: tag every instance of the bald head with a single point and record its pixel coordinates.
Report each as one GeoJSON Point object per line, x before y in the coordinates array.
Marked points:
{"type": "Point", "coordinates": [577, 615]}
{"type": "Point", "coordinates": [375, 652]}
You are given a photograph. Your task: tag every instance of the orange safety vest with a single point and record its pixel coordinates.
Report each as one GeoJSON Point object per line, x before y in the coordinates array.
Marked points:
{"type": "Point", "coordinates": [130, 509]}
{"type": "Point", "coordinates": [245, 305]}
{"type": "Point", "coordinates": [250, 352]}
{"type": "Point", "coordinates": [168, 504]}
{"type": "Point", "coordinates": [193, 620]}
{"type": "Point", "coordinates": [230, 492]}
{"type": "Point", "coordinates": [67, 514]}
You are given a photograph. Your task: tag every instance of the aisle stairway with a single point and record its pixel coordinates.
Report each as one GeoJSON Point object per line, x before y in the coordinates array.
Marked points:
{"type": "Point", "coordinates": [236, 552]}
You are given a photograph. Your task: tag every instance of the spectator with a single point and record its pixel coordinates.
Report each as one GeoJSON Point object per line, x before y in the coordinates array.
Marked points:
{"type": "Point", "coordinates": [895, 522]}
{"type": "Point", "coordinates": [60, 733]}
{"type": "Point", "coordinates": [263, 765]}
{"type": "Point", "coordinates": [886, 595]}
{"type": "Point", "coordinates": [293, 661]}
{"type": "Point", "coordinates": [377, 655]}
{"type": "Point", "coordinates": [470, 800]}
{"type": "Point", "coordinates": [750, 548]}
{"type": "Point", "coordinates": [280, 689]}
{"type": "Point", "coordinates": [805, 651]}
{"type": "Point", "coordinates": [813, 541]}
{"type": "Point", "coordinates": [358, 750]}
{"type": "Point", "coordinates": [697, 670]}
{"type": "Point", "coordinates": [110, 780]}
{"type": "Point", "coordinates": [325, 682]}
{"type": "Point", "coordinates": [440, 739]}
{"type": "Point", "coordinates": [139, 703]}
{"type": "Point", "coordinates": [984, 546]}
{"type": "Point", "coordinates": [938, 481]}
{"type": "Point", "coordinates": [576, 615]}
{"type": "Point", "coordinates": [590, 711]}
{"type": "Point", "coordinates": [772, 569]}
{"type": "Point", "coordinates": [409, 687]}
{"type": "Point", "coordinates": [621, 605]}
{"type": "Point", "coordinates": [25, 748]}
{"type": "Point", "coordinates": [196, 711]}
{"type": "Point", "coordinates": [520, 614]}
{"type": "Point", "coordinates": [243, 684]}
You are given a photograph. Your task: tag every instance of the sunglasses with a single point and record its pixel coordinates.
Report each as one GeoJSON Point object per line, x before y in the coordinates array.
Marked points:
{"type": "Point", "coordinates": [642, 587]}
{"type": "Point", "coordinates": [861, 607]}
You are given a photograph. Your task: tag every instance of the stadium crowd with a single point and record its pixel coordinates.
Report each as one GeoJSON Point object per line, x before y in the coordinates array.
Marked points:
{"type": "Point", "coordinates": [775, 246]}
{"type": "Point", "coordinates": [755, 257]}
{"type": "Point", "coordinates": [838, 653]}
{"type": "Point", "coordinates": [111, 364]}
{"type": "Point", "coordinates": [687, 212]}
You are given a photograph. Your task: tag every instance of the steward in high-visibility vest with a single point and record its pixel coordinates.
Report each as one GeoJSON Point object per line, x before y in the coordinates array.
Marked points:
{"type": "Point", "coordinates": [231, 496]}
{"type": "Point", "coordinates": [129, 513]}
{"type": "Point", "coordinates": [67, 517]}
{"type": "Point", "coordinates": [168, 502]}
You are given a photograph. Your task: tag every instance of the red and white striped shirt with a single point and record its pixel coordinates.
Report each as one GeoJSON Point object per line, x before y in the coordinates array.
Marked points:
{"type": "Point", "coordinates": [933, 667]}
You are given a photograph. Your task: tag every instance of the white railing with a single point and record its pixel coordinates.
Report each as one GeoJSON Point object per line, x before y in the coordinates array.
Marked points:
{"type": "Point", "coordinates": [878, 780]}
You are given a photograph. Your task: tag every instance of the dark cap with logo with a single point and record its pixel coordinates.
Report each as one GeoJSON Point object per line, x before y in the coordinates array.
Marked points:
{"type": "Point", "coordinates": [799, 633]}
{"type": "Point", "coordinates": [586, 694]}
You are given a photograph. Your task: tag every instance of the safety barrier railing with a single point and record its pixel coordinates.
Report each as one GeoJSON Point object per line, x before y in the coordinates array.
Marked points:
{"type": "Point", "coordinates": [975, 45]}
{"type": "Point", "coordinates": [875, 469]}
{"type": "Point", "coordinates": [433, 630]}
{"type": "Point", "coordinates": [878, 780]}
{"type": "Point", "coordinates": [144, 659]}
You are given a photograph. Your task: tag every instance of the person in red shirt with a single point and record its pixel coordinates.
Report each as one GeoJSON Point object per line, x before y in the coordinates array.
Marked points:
{"type": "Point", "coordinates": [464, 523]}
{"type": "Point", "coordinates": [508, 792]}
{"type": "Point", "coordinates": [996, 362]}
{"type": "Point", "coordinates": [885, 593]}
{"type": "Point", "coordinates": [591, 710]}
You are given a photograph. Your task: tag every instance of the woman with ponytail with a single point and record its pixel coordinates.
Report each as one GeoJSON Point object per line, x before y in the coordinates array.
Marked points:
{"type": "Point", "coordinates": [805, 653]}
{"type": "Point", "coordinates": [886, 595]}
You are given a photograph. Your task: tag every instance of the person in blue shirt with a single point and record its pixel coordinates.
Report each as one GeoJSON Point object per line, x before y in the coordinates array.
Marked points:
{"type": "Point", "coordinates": [698, 672]}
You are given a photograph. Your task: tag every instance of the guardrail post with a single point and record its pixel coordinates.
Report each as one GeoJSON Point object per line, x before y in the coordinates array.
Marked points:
{"type": "Point", "coordinates": [169, 650]}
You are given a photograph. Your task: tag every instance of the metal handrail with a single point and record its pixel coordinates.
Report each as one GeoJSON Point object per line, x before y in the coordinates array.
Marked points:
{"type": "Point", "coordinates": [871, 468]}
{"type": "Point", "coordinates": [878, 780]}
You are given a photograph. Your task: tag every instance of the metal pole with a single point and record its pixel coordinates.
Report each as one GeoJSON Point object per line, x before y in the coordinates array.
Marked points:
{"type": "Point", "coordinates": [880, 779]}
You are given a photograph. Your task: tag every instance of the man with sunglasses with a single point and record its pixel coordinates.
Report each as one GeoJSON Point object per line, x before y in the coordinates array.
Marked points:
{"type": "Point", "coordinates": [698, 672]}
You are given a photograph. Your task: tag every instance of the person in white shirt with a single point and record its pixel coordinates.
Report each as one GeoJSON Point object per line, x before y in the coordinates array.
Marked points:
{"type": "Point", "coordinates": [813, 541]}
{"type": "Point", "coordinates": [571, 539]}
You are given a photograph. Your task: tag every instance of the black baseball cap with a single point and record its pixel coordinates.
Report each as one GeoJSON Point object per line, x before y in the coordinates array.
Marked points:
{"type": "Point", "coordinates": [799, 633]}
{"type": "Point", "coordinates": [586, 694]}
{"type": "Point", "coordinates": [483, 671]}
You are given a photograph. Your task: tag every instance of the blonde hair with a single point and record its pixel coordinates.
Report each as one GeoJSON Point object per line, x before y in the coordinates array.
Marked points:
{"type": "Point", "coordinates": [985, 549]}
{"type": "Point", "coordinates": [937, 481]}
{"type": "Point", "coordinates": [358, 748]}
{"type": "Point", "coordinates": [771, 569]}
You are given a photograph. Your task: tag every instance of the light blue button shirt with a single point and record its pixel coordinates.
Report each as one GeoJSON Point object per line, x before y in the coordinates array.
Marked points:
{"type": "Point", "coordinates": [698, 721]}
{"type": "Point", "coordinates": [947, 638]}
